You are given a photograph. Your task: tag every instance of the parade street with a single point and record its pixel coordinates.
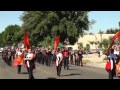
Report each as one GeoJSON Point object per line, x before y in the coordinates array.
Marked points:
{"type": "Point", "coordinates": [45, 72]}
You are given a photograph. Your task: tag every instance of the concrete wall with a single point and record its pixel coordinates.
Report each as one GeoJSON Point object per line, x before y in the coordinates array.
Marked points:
{"type": "Point", "coordinates": [86, 39]}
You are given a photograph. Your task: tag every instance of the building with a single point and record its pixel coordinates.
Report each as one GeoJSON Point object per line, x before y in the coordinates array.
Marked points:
{"type": "Point", "coordinates": [87, 39]}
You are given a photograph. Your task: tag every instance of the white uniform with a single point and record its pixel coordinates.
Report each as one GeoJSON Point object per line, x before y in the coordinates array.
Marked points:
{"type": "Point", "coordinates": [112, 57]}
{"type": "Point", "coordinates": [29, 55]}
{"type": "Point", "coordinates": [59, 55]}
{"type": "Point", "coordinates": [19, 53]}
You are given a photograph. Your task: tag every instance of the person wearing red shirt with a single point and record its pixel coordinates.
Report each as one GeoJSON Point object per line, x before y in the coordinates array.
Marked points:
{"type": "Point", "coordinates": [66, 58]}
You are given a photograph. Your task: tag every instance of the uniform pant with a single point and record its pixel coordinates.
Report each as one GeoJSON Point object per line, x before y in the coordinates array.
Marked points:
{"type": "Point", "coordinates": [112, 72]}
{"type": "Point", "coordinates": [9, 61]}
{"type": "Point", "coordinates": [66, 62]}
{"type": "Point", "coordinates": [19, 68]}
{"type": "Point", "coordinates": [38, 59]}
{"type": "Point", "coordinates": [49, 60]}
{"type": "Point", "coordinates": [30, 69]}
{"type": "Point", "coordinates": [59, 69]}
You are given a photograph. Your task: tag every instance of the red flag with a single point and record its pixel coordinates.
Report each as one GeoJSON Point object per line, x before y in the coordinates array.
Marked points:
{"type": "Point", "coordinates": [108, 66]}
{"type": "Point", "coordinates": [26, 41]}
{"type": "Point", "coordinates": [16, 63]}
{"type": "Point", "coordinates": [56, 42]}
{"type": "Point", "coordinates": [116, 36]}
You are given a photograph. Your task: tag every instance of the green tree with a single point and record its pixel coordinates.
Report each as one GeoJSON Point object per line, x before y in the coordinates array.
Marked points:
{"type": "Point", "coordinates": [91, 42]}
{"type": "Point", "coordinates": [105, 43]}
{"type": "Point", "coordinates": [80, 45]}
{"type": "Point", "coordinates": [67, 24]}
{"type": "Point", "coordinates": [112, 31]}
{"type": "Point", "coordinates": [101, 32]}
{"type": "Point", "coordinates": [1, 39]}
{"type": "Point", "coordinates": [11, 34]}
{"type": "Point", "coordinates": [91, 33]}
{"type": "Point", "coordinates": [87, 46]}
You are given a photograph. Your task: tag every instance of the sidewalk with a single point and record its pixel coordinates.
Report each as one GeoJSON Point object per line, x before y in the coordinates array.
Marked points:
{"type": "Point", "coordinates": [95, 61]}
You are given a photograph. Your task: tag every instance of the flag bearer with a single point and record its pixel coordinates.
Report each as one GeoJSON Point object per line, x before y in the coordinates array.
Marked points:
{"type": "Point", "coordinates": [30, 63]}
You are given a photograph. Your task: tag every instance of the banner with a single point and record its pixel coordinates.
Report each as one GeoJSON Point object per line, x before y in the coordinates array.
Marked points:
{"type": "Point", "coordinates": [56, 42]}
{"type": "Point", "coordinates": [115, 39]}
{"type": "Point", "coordinates": [26, 41]}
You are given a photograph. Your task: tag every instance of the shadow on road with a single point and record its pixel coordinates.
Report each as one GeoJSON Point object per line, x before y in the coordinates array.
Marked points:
{"type": "Point", "coordinates": [72, 74]}
{"type": "Point", "coordinates": [24, 72]}
{"type": "Point", "coordinates": [51, 78]}
{"type": "Point", "coordinates": [72, 69]}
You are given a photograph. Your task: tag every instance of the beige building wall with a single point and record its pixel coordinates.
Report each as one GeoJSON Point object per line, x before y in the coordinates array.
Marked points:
{"type": "Point", "coordinates": [86, 39]}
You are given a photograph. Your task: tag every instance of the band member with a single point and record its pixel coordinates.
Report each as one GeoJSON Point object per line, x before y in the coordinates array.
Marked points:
{"type": "Point", "coordinates": [66, 58]}
{"type": "Point", "coordinates": [19, 57]}
{"type": "Point", "coordinates": [49, 57]}
{"type": "Point", "coordinates": [59, 61]}
{"type": "Point", "coordinates": [9, 57]}
{"type": "Point", "coordinates": [29, 59]}
{"type": "Point", "coordinates": [13, 54]}
{"type": "Point", "coordinates": [39, 56]}
{"type": "Point", "coordinates": [4, 55]}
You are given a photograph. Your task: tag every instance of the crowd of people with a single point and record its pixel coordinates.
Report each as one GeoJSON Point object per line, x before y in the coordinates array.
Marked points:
{"type": "Point", "coordinates": [60, 57]}
{"type": "Point", "coordinates": [48, 57]}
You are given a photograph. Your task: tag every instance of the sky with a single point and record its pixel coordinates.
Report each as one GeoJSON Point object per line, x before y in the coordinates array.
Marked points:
{"type": "Point", "coordinates": [9, 18]}
{"type": "Point", "coordinates": [104, 19]}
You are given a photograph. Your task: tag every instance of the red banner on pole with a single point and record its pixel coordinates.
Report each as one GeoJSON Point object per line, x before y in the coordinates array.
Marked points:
{"type": "Point", "coordinates": [56, 42]}
{"type": "Point", "coordinates": [26, 41]}
{"type": "Point", "coordinates": [116, 36]}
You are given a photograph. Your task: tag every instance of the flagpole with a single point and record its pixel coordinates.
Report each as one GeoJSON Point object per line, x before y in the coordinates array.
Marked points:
{"type": "Point", "coordinates": [119, 41]}
{"type": "Point", "coordinates": [56, 43]}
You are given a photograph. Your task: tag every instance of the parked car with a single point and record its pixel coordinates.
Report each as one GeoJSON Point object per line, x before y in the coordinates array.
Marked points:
{"type": "Point", "coordinates": [1, 49]}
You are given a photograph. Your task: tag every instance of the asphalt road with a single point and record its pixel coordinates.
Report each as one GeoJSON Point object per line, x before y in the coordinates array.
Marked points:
{"type": "Point", "coordinates": [45, 72]}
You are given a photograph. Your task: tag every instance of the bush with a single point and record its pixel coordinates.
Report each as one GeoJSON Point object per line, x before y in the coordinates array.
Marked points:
{"type": "Point", "coordinates": [104, 50]}
{"type": "Point", "coordinates": [85, 61]}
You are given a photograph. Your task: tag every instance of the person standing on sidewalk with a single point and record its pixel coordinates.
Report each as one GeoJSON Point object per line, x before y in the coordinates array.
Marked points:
{"type": "Point", "coordinates": [59, 61]}
{"type": "Point", "coordinates": [80, 54]}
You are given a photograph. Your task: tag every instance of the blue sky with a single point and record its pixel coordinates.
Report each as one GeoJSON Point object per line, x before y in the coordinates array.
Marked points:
{"type": "Point", "coordinates": [9, 18]}
{"type": "Point", "coordinates": [104, 19]}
